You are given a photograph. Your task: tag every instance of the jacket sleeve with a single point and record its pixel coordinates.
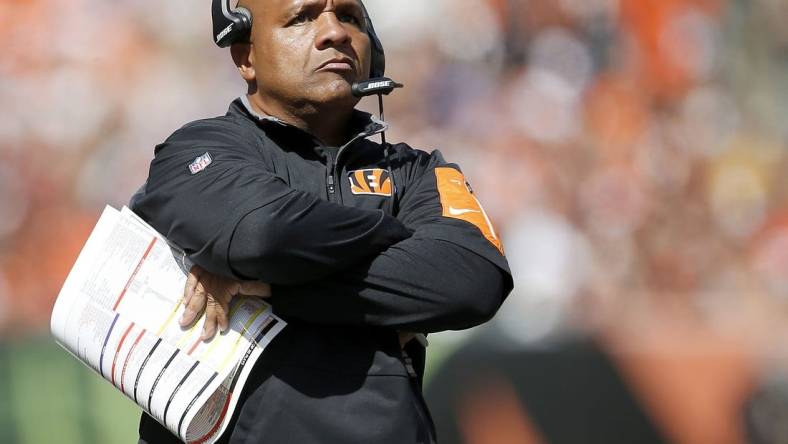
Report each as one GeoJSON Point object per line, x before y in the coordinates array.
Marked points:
{"type": "Point", "coordinates": [451, 274]}
{"type": "Point", "coordinates": [206, 185]}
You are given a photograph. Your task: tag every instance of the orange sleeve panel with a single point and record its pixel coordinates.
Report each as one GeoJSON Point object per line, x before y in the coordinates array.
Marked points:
{"type": "Point", "coordinates": [459, 203]}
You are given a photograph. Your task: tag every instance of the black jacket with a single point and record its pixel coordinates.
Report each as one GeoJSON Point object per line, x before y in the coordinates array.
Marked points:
{"type": "Point", "coordinates": [252, 197]}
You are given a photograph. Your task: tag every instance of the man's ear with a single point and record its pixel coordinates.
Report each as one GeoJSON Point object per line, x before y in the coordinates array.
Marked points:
{"type": "Point", "coordinates": [244, 60]}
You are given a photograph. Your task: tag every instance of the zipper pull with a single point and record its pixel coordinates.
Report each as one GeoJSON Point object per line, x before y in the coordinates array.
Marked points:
{"type": "Point", "coordinates": [331, 187]}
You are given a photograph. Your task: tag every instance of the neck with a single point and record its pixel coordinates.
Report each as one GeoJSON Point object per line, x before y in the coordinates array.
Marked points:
{"type": "Point", "coordinates": [329, 123]}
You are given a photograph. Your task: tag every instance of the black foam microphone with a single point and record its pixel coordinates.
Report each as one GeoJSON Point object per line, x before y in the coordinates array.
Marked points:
{"type": "Point", "coordinates": [377, 85]}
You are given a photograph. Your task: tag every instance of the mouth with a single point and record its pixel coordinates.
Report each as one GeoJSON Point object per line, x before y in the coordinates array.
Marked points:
{"type": "Point", "coordinates": [337, 64]}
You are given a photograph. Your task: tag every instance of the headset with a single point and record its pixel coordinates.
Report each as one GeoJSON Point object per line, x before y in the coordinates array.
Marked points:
{"type": "Point", "coordinates": [234, 25]}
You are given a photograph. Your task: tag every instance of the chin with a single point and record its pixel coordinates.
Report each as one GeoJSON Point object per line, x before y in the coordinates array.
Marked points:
{"type": "Point", "coordinates": [336, 93]}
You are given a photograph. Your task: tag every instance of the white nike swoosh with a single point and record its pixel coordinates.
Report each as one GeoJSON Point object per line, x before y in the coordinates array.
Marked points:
{"type": "Point", "coordinates": [459, 212]}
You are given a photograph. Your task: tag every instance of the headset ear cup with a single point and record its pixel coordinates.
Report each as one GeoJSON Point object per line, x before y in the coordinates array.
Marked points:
{"type": "Point", "coordinates": [244, 22]}
{"type": "Point", "coordinates": [378, 65]}
{"type": "Point", "coordinates": [230, 25]}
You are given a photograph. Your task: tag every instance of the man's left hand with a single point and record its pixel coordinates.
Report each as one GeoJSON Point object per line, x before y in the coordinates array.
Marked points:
{"type": "Point", "coordinates": [212, 294]}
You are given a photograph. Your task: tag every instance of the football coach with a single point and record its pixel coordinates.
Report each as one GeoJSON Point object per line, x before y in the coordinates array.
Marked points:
{"type": "Point", "coordinates": [362, 247]}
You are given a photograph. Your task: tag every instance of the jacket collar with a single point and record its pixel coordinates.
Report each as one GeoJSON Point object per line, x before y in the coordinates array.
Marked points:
{"type": "Point", "coordinates": [364, 124]}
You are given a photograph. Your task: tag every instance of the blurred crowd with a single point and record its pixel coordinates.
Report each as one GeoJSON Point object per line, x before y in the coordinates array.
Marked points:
{"type": "Point", "coordinates": [632, 153]}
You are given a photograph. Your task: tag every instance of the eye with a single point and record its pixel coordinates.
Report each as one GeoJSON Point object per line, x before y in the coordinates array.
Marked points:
{"type": "Point", "coordinates": [352, 19]}
{"type": "Point", "coordinates": [300, 19]}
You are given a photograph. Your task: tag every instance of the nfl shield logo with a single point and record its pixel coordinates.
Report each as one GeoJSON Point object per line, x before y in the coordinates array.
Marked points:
{"type": "Point", "coordinates": [200, 163]}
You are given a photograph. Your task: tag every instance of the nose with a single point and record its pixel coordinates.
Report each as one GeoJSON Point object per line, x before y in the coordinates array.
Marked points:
{"type": "Point", "coordinates": [331, 32]}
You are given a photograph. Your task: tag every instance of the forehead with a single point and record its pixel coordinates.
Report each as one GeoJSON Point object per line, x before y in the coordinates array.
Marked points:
{"type": "Point", "coordinates": [280, 5]}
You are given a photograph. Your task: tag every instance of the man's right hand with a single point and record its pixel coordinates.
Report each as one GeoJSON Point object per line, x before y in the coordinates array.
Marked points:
{"type": "Point", "coordinates": [210, 293]}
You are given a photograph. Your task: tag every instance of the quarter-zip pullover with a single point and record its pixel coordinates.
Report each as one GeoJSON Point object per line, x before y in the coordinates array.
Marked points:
{"type": "Point", "coordinates": [275, 204]}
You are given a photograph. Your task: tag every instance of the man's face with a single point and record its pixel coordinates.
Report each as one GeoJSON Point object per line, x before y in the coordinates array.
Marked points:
{"type": "Point", "coordinates": [309, 51]}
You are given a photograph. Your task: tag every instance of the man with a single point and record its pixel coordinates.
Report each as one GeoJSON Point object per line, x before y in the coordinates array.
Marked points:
{"type": "Point", "coordinates": [358, 248]}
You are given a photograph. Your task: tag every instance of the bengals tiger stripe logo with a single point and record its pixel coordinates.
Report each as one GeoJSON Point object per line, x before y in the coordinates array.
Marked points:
{"type": "Point", "coordinates": [374, 181]}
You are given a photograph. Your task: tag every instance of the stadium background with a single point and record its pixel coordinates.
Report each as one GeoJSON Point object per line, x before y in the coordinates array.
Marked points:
{"type": "Point", "coordinates": [631, 152]}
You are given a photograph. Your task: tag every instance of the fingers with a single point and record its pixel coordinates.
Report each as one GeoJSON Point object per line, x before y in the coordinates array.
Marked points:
{"type": "Point", "coordinates": [191, 283]}
{"type": "Point", "coordinates": [196, 304]}
{"type": "Point", "coordinates": [205, 292]}
{"type": "Point", "coordinates": [255, 288]}
{"type": "Point", "coordinates": [216, 316]}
